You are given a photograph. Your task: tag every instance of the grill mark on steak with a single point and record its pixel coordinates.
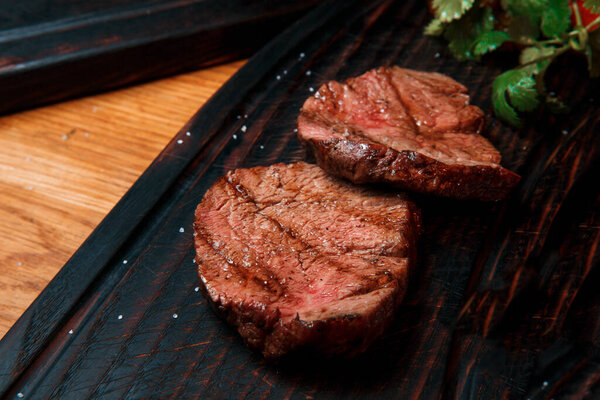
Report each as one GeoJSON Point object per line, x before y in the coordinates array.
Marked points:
{"type": "Point", "coordinates": [414, 130]}
{"type": "Point", "coordinates": [328, 297]}
{"type": "Point", "coordinates": [240, 273]}
{"type": "Point", "coordinates": [377, 221]}
{"type": "Point", "coordinates": [306, 246]}
{"type": "Point", "coordinates": [259, 272]}
{"type": "Point", "coordinates": [314, 253]}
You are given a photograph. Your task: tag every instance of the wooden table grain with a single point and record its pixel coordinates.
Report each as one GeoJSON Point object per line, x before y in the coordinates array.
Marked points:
{"type": "Point", "coordinates": [63, 167]}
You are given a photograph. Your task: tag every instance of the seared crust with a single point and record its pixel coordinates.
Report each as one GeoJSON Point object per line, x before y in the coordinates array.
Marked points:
{"type": "Point", "coordinates": [412, 130]}
{"type": "Point", "coordinates": [296, 259]}
{"type": "Point", "coordinates": [364, 162]}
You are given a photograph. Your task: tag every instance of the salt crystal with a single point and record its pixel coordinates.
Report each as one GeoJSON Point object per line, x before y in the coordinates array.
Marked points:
{"type": "Point", "coordinates": [311, 89]}
{"type": "Point", "coordinates": [437, 55]}
{"type": "Point", "coordinates": [234, 136]}
{"type": "Point", "coordinates": [308, 72]}
{"type": "Point", "coordinates": [181, 230]}
{"type": "Point", "coordinates": [19, 264]}
{"type": "Point", "coordinates": [262, 147]}
{"type": "Point", "coordinates": [285, 71]}
{"type": "Point", "coordinates": [302, 55]}
{"type": "Point", "coordinates": [120, 316]}
{"type": "Point", "coordinates": [64, 137]}
{"type": "Point", "coordinates": [295, 129]}
{"type": "Point", "coordinates": [196, 289]}
{"type": "Point", "coordinates": [245, 115]}
{"type": "Point", "coordinates": [70, 331]}
{"type": "Point", "coordinates": [545, 383]}
{"type": "Point", "coordinates": [243, 128]}
{"type": "Point", "coordinates": [124, 261]}
{"type": "Point", "coordinates": [179, 141]}
{"type": "Point", "coordinates": [278, 77]}
{"type": "Point", "coordinates": [175, 315]}
{"type": "Point", "coordinates": [188, 134]}
{"type": "Point", "coordinates": [20, 395]}
{"type": "Point", "coordinates": [565, 132]}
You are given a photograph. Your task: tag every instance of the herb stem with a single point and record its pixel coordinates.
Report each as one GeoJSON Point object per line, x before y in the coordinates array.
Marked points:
{"type": "Point", "coordinates": [539, 44]}
{"type": "Point", "coordinates": [558, 52]}
{"type": "Point", "coordinates": [591, 24]}
{"type": "Point", "coordinates": [550, 41]}
{"type": "Point", "coordinates": [577, 13]}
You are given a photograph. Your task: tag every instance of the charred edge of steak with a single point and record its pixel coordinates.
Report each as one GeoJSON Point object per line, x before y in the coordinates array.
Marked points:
{"type": "Point", "coordinates": [363, 162]}
{"type": "Point", "coordinates": [347, 335]}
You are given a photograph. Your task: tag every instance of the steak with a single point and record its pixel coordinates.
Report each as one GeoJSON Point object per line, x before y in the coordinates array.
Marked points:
{"type": "Point", "coordinates": [410, 129]}
{"type": "Point", "coordinates": [296, 259]}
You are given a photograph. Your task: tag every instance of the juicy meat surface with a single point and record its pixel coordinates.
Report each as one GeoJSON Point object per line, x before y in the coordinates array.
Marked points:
{"type": "Point", "coordinates": [414, 130]}
{"type": "Point", "coordinates": [296, 259]}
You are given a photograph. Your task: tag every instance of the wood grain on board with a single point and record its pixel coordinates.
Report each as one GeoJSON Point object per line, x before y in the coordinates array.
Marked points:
{"type": "Point", "coordinates": [54, 50]}
{"type": "Point", "coordinates": [63, 167]}
{"type": "Point", "coordinates": [503, 301]}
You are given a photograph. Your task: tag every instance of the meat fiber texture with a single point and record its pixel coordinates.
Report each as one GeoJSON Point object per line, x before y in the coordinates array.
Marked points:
{"type": "Point", "coordinates": [296, 259]}
{"type": "Point", "coordinates": [410, 129]}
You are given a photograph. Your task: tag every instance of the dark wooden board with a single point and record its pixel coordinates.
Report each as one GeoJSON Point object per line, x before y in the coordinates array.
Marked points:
{"type": "Point", "coordinates": [503, 303]}
{"type": "Point", "coordinates": [53, 50]}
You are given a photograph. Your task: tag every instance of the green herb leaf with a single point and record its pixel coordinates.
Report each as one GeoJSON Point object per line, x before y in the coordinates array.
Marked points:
{"type": "Point", "coordinates": [531, 54]}
{"type": "Point", "coordinates": [524, 95]}
{"type": "Point", "coordinates": [526, 8]}
{"type": "Point", "coordinates": [449, 10]}
{"type": "Point", "coordinates": [504, 110]}
{"type": "Point", "coordinates": [462, 34]}
{"type": "Point", "coordinates": [592, 5]}
{"type": "Point", "coordinates": [517, 86]}
{"type": "Point", "coordinates": [489, 41]}
{"type": "Point", "coordinates": [555, 19]}
{"type": "Point", "coordinates": [434, 28]}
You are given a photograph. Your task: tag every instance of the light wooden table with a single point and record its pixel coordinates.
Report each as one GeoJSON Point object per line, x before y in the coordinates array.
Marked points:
{"type": "Point", "coordinates": [63, 167]}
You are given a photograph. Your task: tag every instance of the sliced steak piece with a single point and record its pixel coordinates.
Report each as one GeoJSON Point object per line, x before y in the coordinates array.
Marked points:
{"type": "Point", "coordinates": [414, 130]}
{"type": "Point", "coordinates": [296, 259]}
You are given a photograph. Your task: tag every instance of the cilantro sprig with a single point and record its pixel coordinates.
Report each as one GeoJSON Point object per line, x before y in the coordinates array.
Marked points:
{"type": "Point", "coordinates": [542, 30]}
